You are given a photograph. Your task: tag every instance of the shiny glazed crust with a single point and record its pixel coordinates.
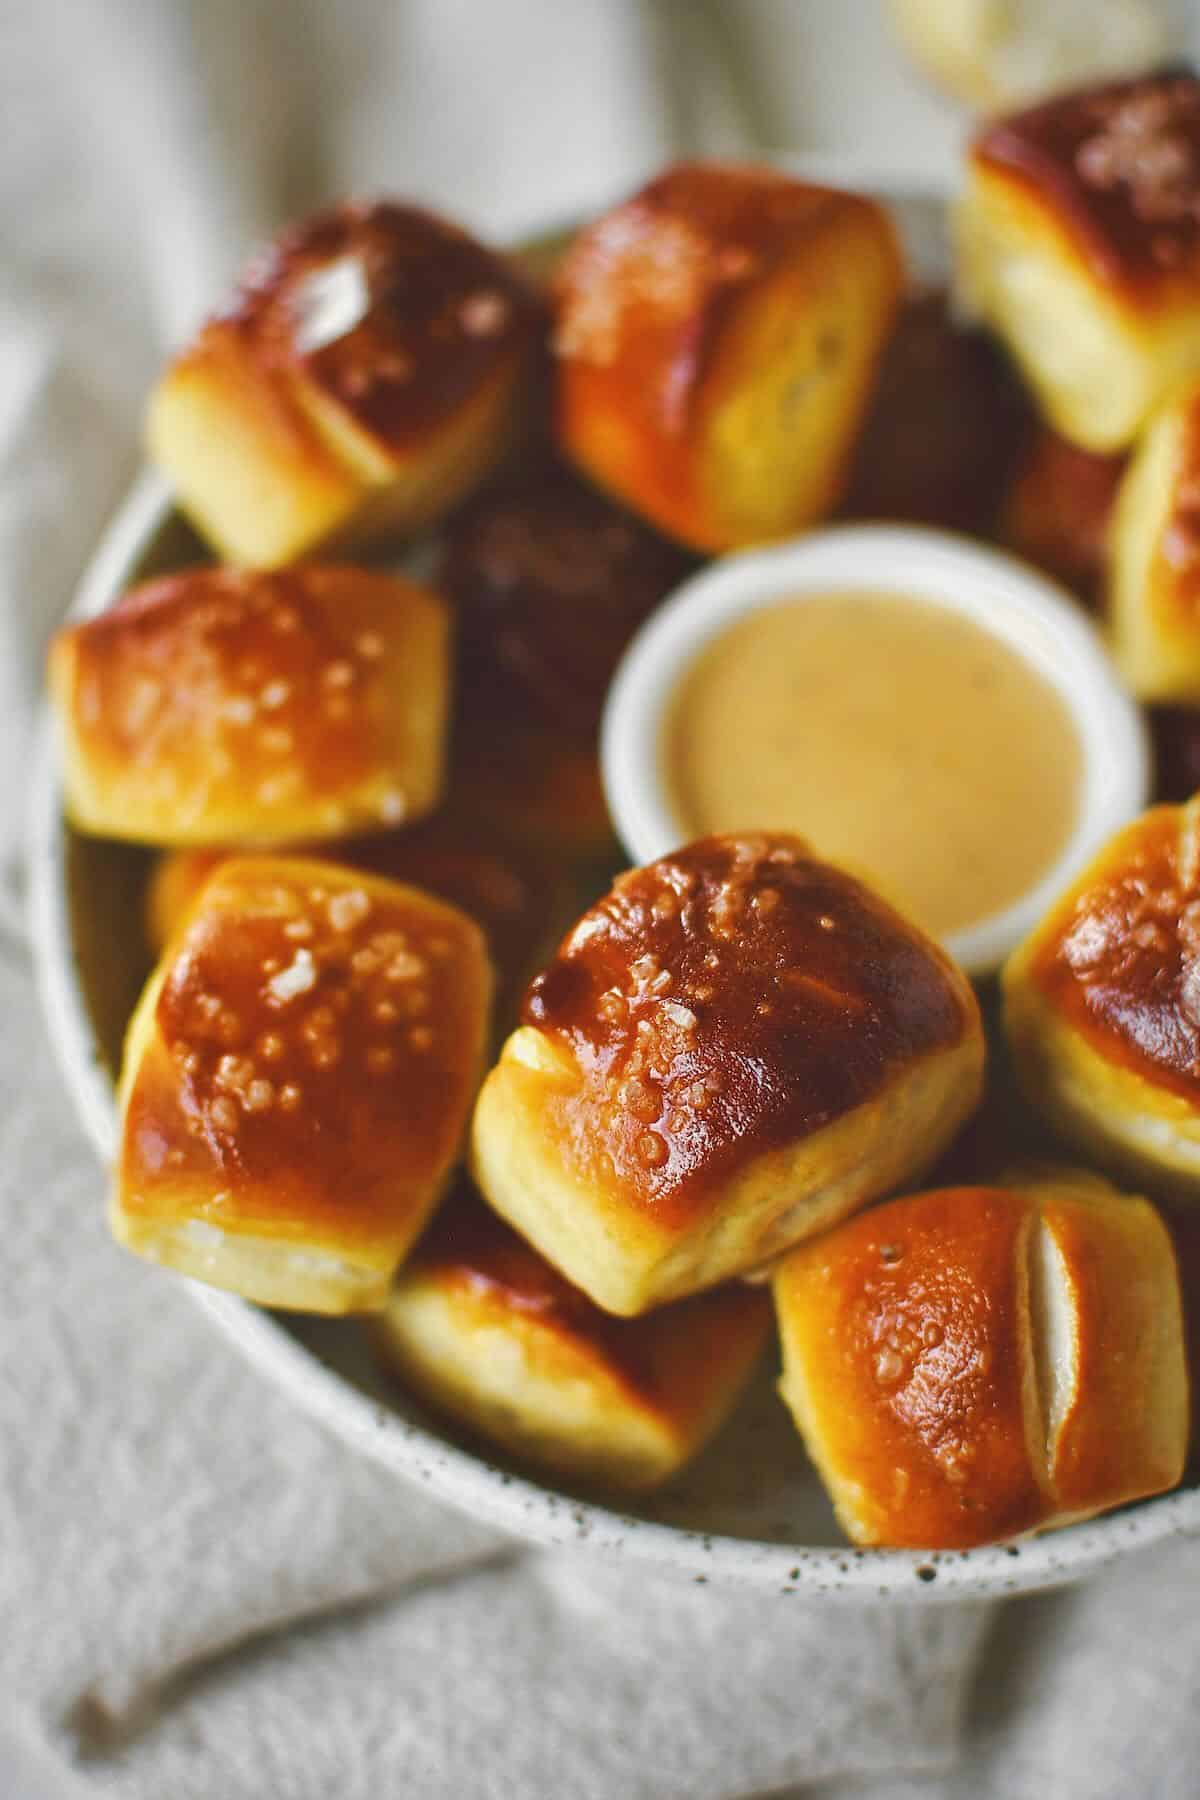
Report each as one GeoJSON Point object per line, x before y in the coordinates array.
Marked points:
{"type": "Point", "coordinates": [296, 1080]}
{"type": "Point", "coordinates": [716, 336]}
{"type": "Point", "coordinates": [1079, 241]}
{"type": "Point", "coordinates": [1102, 1003]}
{"type": "Point", "coordinates": [234, 707]}
{"type": "Point", "coordinates": [516, 898]}
{"type": "Point", "coordinates": [481, 1327]}
{"type": "Point", "coordinates": [369, 370]}
{"type": "Point", "coordinates": [974, 1363]}
{"type": "Point", "coordinates": [733, 1047]}
{"type": "Point", "coordinates": [1154, 581]}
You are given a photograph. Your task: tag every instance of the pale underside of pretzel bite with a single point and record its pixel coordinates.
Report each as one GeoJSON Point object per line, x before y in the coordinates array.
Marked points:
{"type": "Point", "coordinates": [296, 1080]}
{"type": "Point", "coordinates": [733, 1048]}
{"type": "Point", "coordinates": [972, 1364]}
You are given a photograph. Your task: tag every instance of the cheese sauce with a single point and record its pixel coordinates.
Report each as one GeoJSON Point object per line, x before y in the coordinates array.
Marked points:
{"type": "Point", "coordinates": [902, 740]}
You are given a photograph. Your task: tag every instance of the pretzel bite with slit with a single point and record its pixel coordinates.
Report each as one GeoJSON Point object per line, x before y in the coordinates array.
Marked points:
{"type": "Point", "coordinates": [296, 1080]}
{"type": "Point", "coordinates": [1154, 577]}
{"type": "Point", "coordinates": [716, 338]}
{"type": "Point", "coordinates": [483, 1329]}
{"type": "Point", "coordinates": [371, 368]}
{"type": "Point", "coordinates": [734, 1047]}
{"type": "Point", "coordinates": [220, 706]}
{"type": "Point", "coordinates": [971, 1364]}
{"type": "Point", "coordinates": [1078, 241]}
{"type": "Point", "coordinates": [1102, 1003]}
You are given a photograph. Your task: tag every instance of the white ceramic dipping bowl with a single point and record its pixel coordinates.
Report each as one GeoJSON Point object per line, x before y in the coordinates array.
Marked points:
{"type": "Point", "coordinates": [1003, 596]}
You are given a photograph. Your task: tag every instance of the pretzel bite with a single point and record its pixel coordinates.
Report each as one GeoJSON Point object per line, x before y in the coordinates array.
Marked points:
{"type": "Point", "coordinates": [1154, 579]}
{"type": "Point", "coordinates": [515, 897]}
{"type": "Point", "coordinates": [974, 1363]}
{"type": "Point", "coordinates": [1102, 1003]}
{"type": "Point", "coordinates": [549, 581]}
{"type": "Point", "coordinates": [1058, 511]}
{"type": "Point", "coordinates": [716, 338]}
{"type": "Point", "coordinates": [1079, 241]}
{"type": "Point", "coordinates": [217, 706]}
{"type": "Point", "coordinates": [482, 1328]}
{"type": "Point", "coordinates": [733, 1048]}
{"type": "Point", "coordinates": [370, 369]}
{"type": "Point", "coordinates": [944, 426]}
{"type": "Point", "coordinates": [296, 1080]}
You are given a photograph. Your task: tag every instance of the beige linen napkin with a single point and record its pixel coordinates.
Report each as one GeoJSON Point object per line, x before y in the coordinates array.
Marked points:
{"type": "Point", "coordinates": [164, 1515]}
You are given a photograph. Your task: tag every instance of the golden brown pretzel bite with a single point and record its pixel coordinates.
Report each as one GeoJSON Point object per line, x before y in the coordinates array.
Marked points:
{"type": "Point", "coordinates": [1102, 1002]}
{"type": "Point", "coordinates": [296, 1079]}
{"type": "Point", "coordinates": [716, 337]}
{"type": "Point", "coordinates": [369, 371]}
{"type": "Point", "coordinates": [1079, 241]}
{"type": "Point", "coordinates": [973, 1363]}
{"type": "Point", "coordinates": [222, 706]}
{"type": "Point", "coordinates": [734, 1047]}
{"type": "Point", "coordinates": [484, 1329]}
{"type": "Point", "coordinates": [513, 895]}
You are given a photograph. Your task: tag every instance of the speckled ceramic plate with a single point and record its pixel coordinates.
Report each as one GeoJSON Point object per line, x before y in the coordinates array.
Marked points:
{"type": "Point", "coordinates": [750, 1509]}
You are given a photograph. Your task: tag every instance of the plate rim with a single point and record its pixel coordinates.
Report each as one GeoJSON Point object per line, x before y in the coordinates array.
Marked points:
{"type": "Point", "coordinates": [460, 1478]}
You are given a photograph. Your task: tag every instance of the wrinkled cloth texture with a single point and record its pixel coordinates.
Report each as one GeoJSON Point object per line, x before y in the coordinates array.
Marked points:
{"type": "Point", "coordinates": [202, 1593]}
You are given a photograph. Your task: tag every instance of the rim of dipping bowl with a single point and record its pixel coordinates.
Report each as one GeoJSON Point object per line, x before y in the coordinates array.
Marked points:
{"type": "Point", "coordinates": [1018, 606]}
